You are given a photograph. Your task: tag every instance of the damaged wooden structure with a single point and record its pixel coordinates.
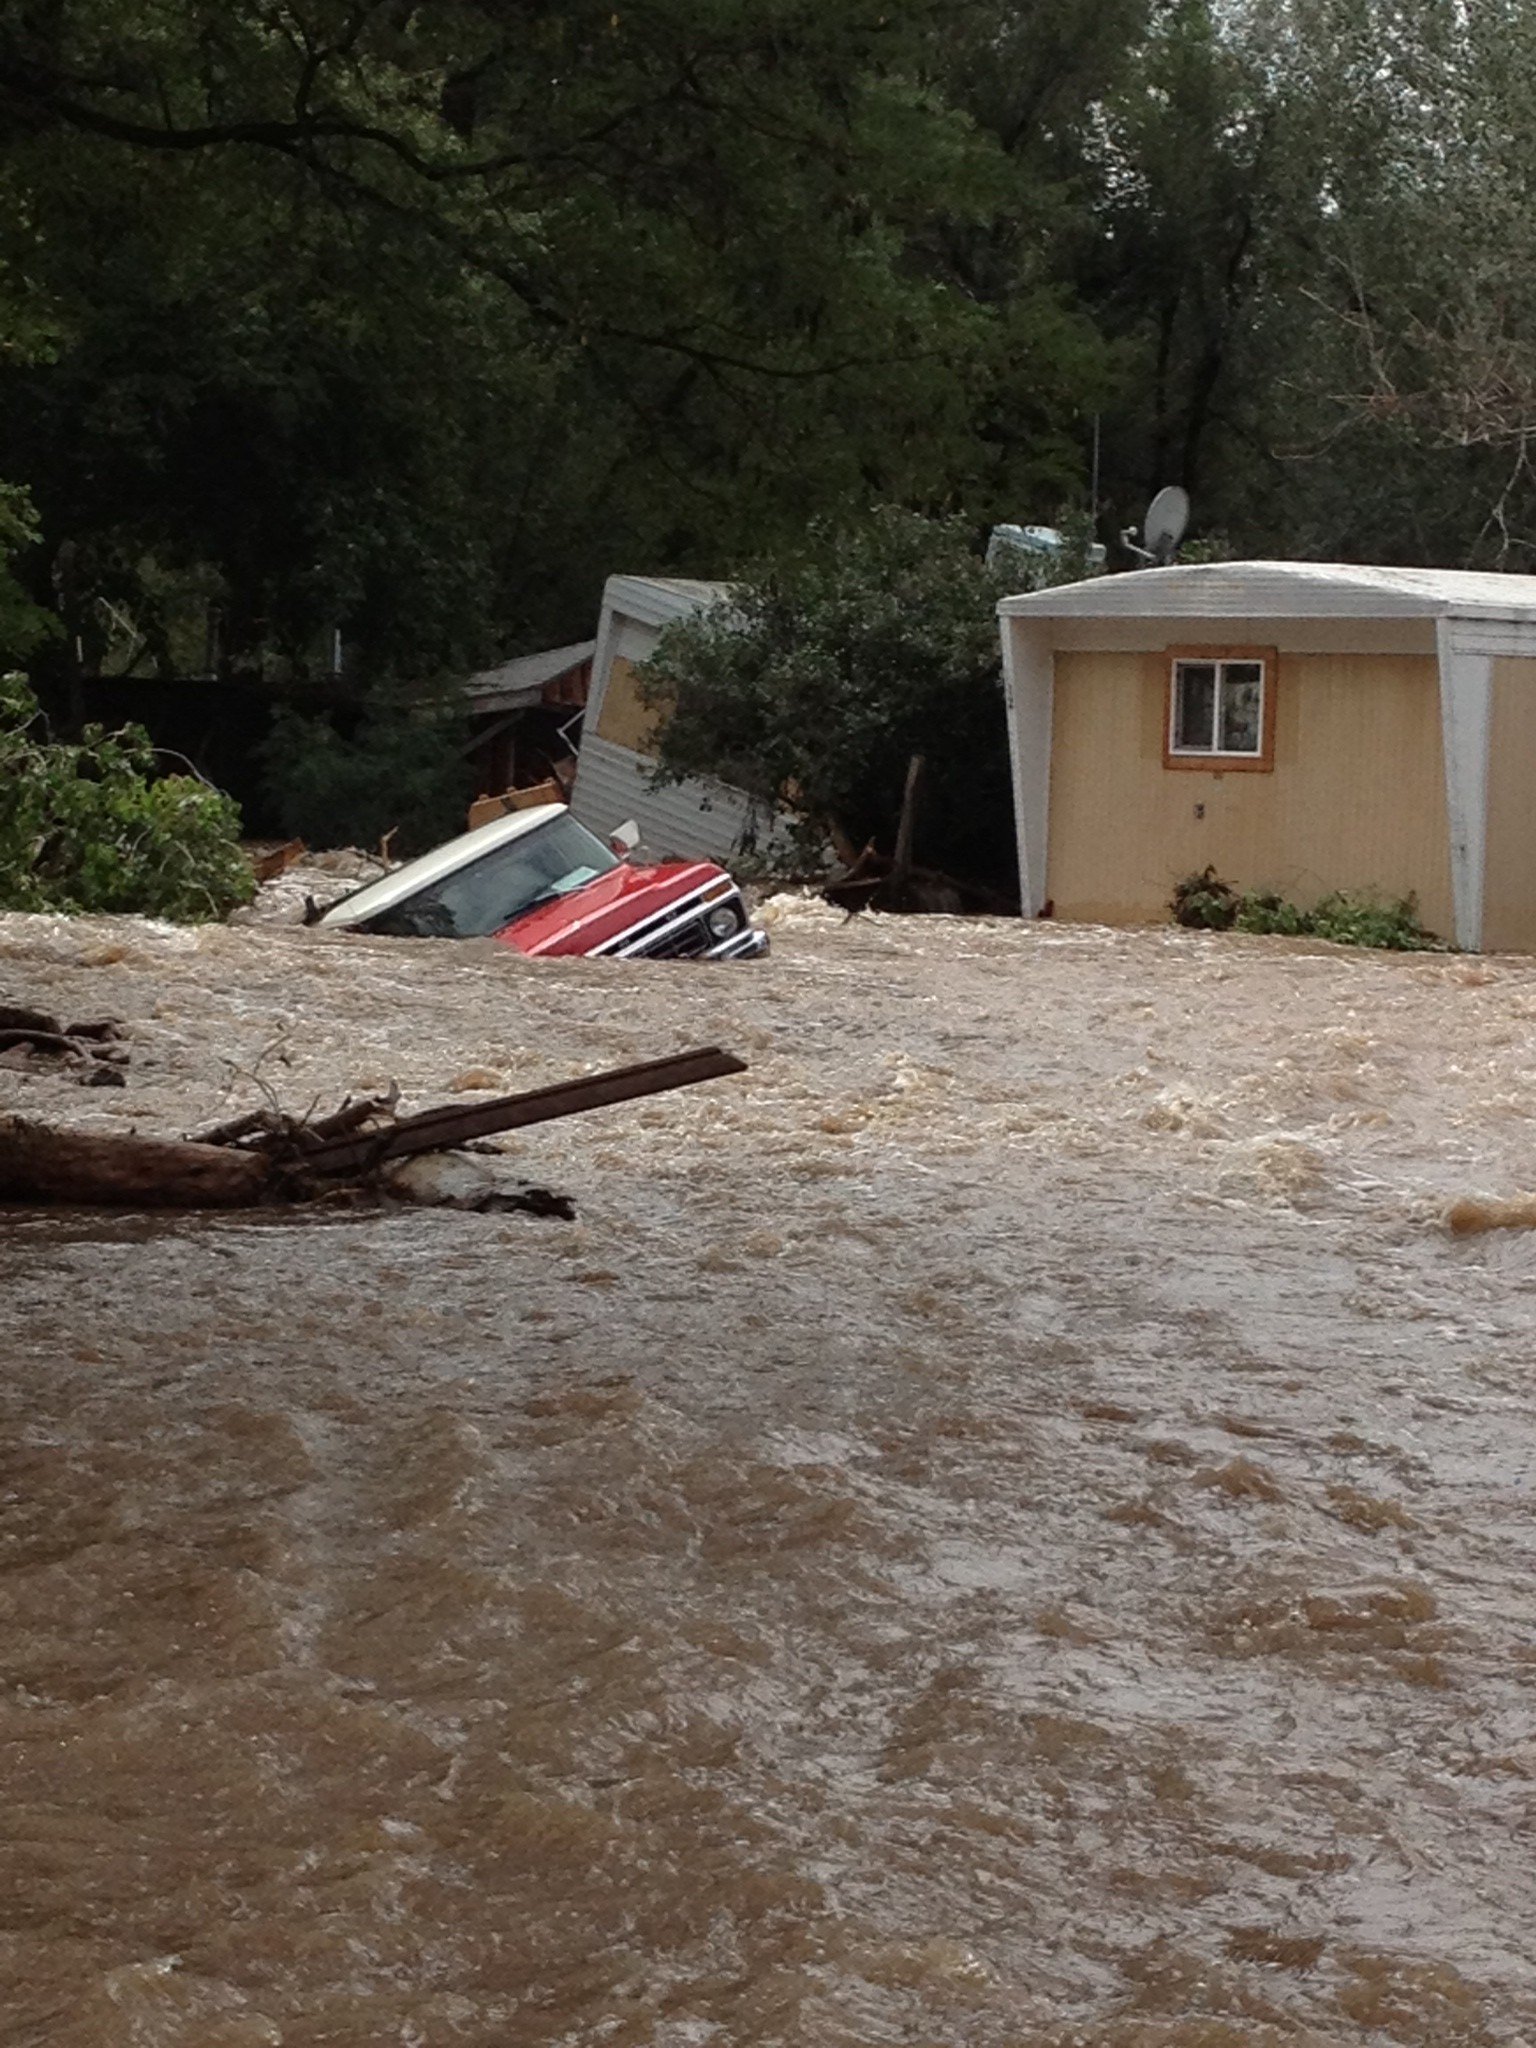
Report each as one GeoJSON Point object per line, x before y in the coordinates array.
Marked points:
{"type": "Point", "coordinates": [264, 1157]}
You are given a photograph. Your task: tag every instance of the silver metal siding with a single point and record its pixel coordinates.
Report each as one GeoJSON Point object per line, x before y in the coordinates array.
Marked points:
{"type": "Point", "coordinates": [700, 821]}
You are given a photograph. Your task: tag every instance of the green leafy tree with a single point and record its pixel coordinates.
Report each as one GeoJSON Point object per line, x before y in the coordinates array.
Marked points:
{"type": "Point", "coordinates": [412, 322]}
{"type": "Point", "coordinates": [23, 625]}
{"type": "Point", "coordinates": [1422, 383]}
{"type": "Point", "coordinates": [1312, 273]}
{"type": "Point", "coordinates": [93, 826]}
{"type": "Point", "coordinates": [398, 774]}
{"type": "Point", "coordinates": [824, 671]}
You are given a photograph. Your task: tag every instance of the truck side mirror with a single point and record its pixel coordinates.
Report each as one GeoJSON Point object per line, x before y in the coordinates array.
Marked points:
{"type": "Point", "coordinates": [624, 838]}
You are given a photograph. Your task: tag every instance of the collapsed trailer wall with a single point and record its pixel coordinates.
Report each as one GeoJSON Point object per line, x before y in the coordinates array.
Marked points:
{"type": "Point", "coordinates": [616, 765]}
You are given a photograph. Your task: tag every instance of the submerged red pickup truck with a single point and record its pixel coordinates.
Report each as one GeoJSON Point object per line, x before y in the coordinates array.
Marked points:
{"type": "Point", "coordinates": [538, 881]}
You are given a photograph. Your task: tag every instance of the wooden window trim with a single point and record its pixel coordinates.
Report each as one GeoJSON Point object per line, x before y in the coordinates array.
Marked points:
{"type": "Point", "coordinates": [1261, 763]}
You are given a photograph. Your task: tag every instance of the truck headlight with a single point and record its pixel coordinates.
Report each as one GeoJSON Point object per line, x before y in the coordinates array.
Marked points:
{"type": "Point", "coordinates": [724, 919]}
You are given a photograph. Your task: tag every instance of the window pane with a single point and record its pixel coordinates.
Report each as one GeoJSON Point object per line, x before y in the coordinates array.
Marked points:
{"type": "Point", "coordinates": [487, 894]}
{"type": "Point", "coordinates": [1242, 697]}
{"type": "Point", "coordinates": [1194, 707]}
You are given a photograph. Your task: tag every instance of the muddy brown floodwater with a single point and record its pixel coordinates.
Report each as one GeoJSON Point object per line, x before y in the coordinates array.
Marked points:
{"type": "Point", "coordinates": [1012, 1525]}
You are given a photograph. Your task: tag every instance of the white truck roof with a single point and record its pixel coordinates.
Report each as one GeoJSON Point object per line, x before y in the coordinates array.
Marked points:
{"type": "Point", "coordinates": [391, 889]}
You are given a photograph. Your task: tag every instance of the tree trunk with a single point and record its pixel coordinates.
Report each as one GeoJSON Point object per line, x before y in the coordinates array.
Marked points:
{"type": "Point", "coordinates": [896, 890]}
{"type": "Point", "coordinates": [42, 1165]}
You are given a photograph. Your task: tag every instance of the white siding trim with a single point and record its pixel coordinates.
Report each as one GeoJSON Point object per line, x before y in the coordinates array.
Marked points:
{"type": "Point", "coordinates": [1466, 699]}
{"type": "Point", "coordinates": [1029, 672]}
{"type": "Point", "coordinates": [658, 600]}
{"type": "Point", "coordinates": [1514, 637]}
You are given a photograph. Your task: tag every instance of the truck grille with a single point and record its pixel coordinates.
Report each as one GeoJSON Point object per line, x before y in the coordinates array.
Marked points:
{"type": "Point", "coordinates": [671, 934]}
{"type": "Point", "coordinates": [688, 941]}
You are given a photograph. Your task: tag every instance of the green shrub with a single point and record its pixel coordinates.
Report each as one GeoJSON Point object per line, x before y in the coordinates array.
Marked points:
{"type": "Point", "coordinates": [832, 665]}
{"type": "Point", "coordinates": [1204, 902]}
{"type": "Point", "coordinates": [1263, 911]}
{"type": "Point", "coordinates": [94, 827]}
{"type": "Point", "coordinates": [401, 773]}
{"type": "Point", "coordinates": [1359, 921]}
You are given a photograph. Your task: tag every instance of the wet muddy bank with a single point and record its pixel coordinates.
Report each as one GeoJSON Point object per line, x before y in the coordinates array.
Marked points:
{"type": "Point", "coordinates": [1012, 1524]}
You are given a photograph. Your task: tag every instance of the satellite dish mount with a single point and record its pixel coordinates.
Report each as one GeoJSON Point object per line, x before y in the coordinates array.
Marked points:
{"type": "Point", "coordinates": [1162, 529]}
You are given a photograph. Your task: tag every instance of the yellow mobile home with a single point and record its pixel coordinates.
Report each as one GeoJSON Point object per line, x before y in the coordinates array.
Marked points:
{"type": "Point", "coordinates": [1297, 726]}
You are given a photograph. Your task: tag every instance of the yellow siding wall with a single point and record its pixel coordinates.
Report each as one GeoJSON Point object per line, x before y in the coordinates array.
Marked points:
{"type": "Point", "coordinates": [622, 717]}
{"type": "Point", "coordinates": [1509, 886]}
{"type": "Point", "coordinates": [1356, 799]}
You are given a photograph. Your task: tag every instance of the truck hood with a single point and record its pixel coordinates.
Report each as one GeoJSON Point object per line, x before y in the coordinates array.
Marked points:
{"type": "Point", "coordinates": [606, 908]}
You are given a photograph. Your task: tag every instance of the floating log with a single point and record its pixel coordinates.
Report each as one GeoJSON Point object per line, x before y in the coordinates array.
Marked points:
{"type": "Point", "coordinates": [39, 1164]}
{"type": "Point", "coordinates": [92, 1051]}
{"type": "Point", "coordinates": [1469, 1215]}
{"type": "Point", "coordinates": [20, 1017]}
{"type": "Point", "coordinates": [269, 862]}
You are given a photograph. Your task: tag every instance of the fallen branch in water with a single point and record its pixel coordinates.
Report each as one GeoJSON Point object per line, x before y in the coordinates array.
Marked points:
{"type": "Point", "coordinates": [267, 1157]}
{"type": "Point", "coordinates": [93, 1050]}
{"type": "Point", "coordinates": [440, 1130]}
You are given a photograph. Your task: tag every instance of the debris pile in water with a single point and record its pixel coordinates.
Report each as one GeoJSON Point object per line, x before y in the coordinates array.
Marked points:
{"type": "Point", "coordinates": [286, 893]}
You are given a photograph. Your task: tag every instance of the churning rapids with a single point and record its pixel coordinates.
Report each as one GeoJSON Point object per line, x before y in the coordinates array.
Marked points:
{"type": "Point", "coordinates": [1009, 1525]}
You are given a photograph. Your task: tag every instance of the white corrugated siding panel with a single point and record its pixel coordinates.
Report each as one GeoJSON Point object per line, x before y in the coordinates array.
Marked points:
{"type": "Point", "coordinates": [1283, 590]}
{"type": "Point", "coordinates": [697, 820]}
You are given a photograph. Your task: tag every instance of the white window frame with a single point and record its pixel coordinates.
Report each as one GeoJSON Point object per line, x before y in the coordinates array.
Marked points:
{"type": "Point", "coordinates": [1215, 756]}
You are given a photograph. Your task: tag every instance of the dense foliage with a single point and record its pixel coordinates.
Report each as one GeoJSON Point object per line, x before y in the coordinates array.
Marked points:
{"type": "Point", "coordinates": [411, 322]}
{"type": "Point", "coordinates": [397, 776]}
{"type": "Point", "coordinates": [93, 826]}
{"type": "Point", "coordinates": [827, 669]}
{"type": "Point", "coordinates": [404, 324]}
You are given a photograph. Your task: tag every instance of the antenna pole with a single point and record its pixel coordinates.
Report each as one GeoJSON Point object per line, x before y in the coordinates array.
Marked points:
{"type": "Point", "coordinates": [1093, 495]}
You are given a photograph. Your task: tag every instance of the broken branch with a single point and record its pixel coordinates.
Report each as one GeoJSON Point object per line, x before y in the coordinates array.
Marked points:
{"type": "Point", "coordinates": [439, 1130]}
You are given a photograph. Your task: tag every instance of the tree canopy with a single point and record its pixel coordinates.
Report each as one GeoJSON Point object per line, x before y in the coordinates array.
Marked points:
{"type": "Point", "coordinates": [407, 321]}
{"type": "Point", "coordinates": [822, 673]}
{"type": "Point", "coordinates": [404, 319]}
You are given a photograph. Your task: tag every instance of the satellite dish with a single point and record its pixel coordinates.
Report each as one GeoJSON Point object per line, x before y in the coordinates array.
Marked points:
{"type": "Point", "coordinates": [1163, 527]}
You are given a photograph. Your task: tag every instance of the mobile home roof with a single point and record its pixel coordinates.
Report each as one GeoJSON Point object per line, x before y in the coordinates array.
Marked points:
{"type": "Point", "coordinates": [658, 600]}
{"type": "Point", "coordinates": [1284, 590]}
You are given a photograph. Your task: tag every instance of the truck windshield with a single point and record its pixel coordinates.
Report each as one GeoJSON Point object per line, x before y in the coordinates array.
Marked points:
{"type": "Point", "coordinates": [487, 894]}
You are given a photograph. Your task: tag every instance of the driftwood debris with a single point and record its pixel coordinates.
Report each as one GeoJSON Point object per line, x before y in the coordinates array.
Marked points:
{"type": "Point", "coordinates": [268, 862]}
{"type": "Point", "coordinates": [265, 1157]}
{"type": "Point", "coordinates": [94, 1050]}
{"type": "Point", "coordinates": [872, 882]}
{"type": "Point", "coordinates": [441, 1130]}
